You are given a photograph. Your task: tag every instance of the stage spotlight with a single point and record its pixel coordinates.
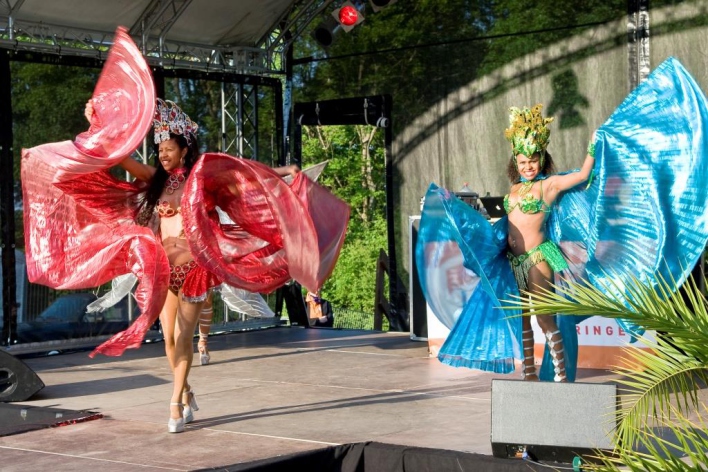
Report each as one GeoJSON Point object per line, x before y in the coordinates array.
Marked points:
{"type": "Point", "coordinates": [380, 4]}
{"type": "Point", "coordinates": [344, 18]}
{"type": "Point", "coordinates": [324, 32]}
{"type": "Point", "coordinates": [347, 16]}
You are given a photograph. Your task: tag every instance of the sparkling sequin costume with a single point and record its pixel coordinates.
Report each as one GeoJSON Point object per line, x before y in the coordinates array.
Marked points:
{"type": "Point", "coordinates": [78, 216]}
{"type": "Point", "coordinates": [190, 277]}
{"type": "Point", "coordinates": [546, 251]}
{"type": "Point", "coordinates": [644, 213]}
{"type": "Point", "coordinates": [193, 280]}
{"type": "Point", "coordinates": [528, 204]}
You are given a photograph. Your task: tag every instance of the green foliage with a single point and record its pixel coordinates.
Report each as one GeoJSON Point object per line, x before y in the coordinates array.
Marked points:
{"type": "Point", "coordinates": [518, 30]}
{"type": "Point", "coordinates": [662, 414]}
{"type": "Point", "coordinates": [408, 50]}
{"type": "Point", "coordinates": [201, 100]}
{"type": "Point", "coordinates": [354, 279]}
{"type": "Point", "coordinates": [48, 103]}
{"type": "Point", "coordinates": [355, 173]}
{"type": "Point", "coordinates": [47, 106]}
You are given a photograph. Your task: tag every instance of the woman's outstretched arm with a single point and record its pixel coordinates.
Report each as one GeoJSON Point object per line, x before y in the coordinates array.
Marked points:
{"type": "Point", "coordinates": [287, 170]}
{"type": "Point", "coordinates": [560, 183]}
{"type": "Point", "coordinates": [137, 169]}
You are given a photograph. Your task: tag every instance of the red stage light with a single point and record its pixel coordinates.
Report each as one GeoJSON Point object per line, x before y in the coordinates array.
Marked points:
{"type": "Point", "coordinates": [348, 15]}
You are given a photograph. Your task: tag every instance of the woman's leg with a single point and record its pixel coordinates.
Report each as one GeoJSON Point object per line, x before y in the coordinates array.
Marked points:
{"type": "Point", "coordinates": [168, 318]}
{"type": "Point", "coordinates": [186, 323]}
{"type": "Point", "coordinates": [204, 328]}
{"type": "Point", "coordinates": [529, 372]}
{"type": "Point", "coordinates": [540, 278]}
{"type": "Point", "coordinates": [527, 341]}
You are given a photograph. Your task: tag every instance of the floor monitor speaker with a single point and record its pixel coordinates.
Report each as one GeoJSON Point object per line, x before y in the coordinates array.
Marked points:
{"type": "Point", "coordinates": [552, 421]}
{"type": "Point", "coordinates": [17, 381]}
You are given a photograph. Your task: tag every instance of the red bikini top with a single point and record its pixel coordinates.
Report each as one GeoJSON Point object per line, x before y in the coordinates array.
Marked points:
{"type": "Point", "coordinates": [165, 210]}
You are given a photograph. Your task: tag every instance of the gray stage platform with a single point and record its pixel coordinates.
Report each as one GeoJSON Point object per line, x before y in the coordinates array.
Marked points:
{"type": "Point", "coordinates": [267, 393]}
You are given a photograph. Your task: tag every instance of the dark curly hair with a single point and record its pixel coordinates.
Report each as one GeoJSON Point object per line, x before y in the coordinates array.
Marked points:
{"type": "Point", "coordinates": [157, 184]}
{"type": "Point", "coordinates": [512, 170]}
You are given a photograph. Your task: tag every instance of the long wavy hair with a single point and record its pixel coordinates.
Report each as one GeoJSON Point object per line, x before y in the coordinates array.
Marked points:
{"type": "Point", "coordinates": [512, 170]}
{"type": "Point", "coordinates": [157, 184]}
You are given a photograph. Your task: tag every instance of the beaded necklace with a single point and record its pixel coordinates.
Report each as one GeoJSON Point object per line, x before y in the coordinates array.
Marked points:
{"type": "Point", "coordinates": [175, 180]}
{"type": "Point", "coordinates": [527, 184]}
{"type": "Point", "coordinates": [525, 187]}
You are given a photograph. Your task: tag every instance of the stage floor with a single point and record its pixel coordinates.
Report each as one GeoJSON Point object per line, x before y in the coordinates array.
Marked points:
{"type": "Point", "coordinates": [267, 393]}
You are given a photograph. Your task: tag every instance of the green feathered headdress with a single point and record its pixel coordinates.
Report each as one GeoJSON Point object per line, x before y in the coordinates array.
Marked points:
{"type": "Point", "coordinates": [528, 131]}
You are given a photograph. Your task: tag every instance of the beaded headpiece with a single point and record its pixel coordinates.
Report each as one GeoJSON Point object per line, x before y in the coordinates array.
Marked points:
{"type": "Point", "coordinates": [528, 131]}
{"type": "Point", "coordinates": [169, 118]}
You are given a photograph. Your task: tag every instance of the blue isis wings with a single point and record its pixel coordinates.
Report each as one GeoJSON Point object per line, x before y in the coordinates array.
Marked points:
{"type": "Point", "coordinates": [643, 214]}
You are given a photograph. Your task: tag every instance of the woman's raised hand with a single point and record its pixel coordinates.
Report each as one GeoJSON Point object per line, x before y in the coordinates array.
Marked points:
{"type": "Point", "coordinates": [293, 170]}
{"type": "Point", "coordinates": [88, 110]}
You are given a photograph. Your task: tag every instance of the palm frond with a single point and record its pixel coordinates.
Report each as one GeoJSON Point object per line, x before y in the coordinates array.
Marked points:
{"type": "Point", "coordinates": [686, 452]}
{"type": "Point", "coordinates": [661, 381]}
{"type": "Point", "coordinates": [655, 306]}
{"type": "Point", "coordinates": [658, 383]}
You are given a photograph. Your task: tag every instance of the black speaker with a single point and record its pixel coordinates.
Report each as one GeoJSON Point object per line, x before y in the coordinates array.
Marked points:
{"type": "Point", "coordinates": [418, 308]}
{"type": "Point", "coordinates": [295, 303]}
{"type": "Point", "coordinates": [17, 381]}
{"type": "Point", "coordinates": [552, 421]}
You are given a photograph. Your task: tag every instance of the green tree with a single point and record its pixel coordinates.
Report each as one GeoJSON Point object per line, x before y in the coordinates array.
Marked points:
{"type": "Point", "coordinates": [201, 100]}
{"type": "Point", "coordinates": [518, 30]}
{"type": "Point", "coordinates": [47, 106]}
{"type": "Point", "coordinates": [355, 173]}
{"type": "Point", "coordinates": [48, 103]}
{"type": "Point", "coordinates": [353, 281]}
{"type": "Point", "coordinates": [415, 51]}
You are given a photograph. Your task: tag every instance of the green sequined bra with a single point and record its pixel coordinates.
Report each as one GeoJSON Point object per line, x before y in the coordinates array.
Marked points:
{"type": "Point", "coordinates": [528, 204]}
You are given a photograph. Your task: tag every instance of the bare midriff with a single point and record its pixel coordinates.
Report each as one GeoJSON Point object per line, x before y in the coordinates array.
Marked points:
{"type": "Point", "coordinates": [525, 231]}
{"type": "Point", "coordinates": [172, 232]}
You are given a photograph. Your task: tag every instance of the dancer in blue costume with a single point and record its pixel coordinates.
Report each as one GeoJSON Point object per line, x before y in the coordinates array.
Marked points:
{"type": "Point", "coordinates": [533, 257]}
{"type": "Point", "coordinates": [643, 213]}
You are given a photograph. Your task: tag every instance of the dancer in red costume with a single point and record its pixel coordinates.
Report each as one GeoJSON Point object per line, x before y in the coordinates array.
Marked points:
{"type": "Point", "coordinates": [81, 231]}
{"type": "Point", "coordinates": [190, 285]}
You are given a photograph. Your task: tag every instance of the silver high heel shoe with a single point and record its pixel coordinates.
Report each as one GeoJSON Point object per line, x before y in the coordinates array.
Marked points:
{"type": "Point", "coordinates": [176, 425]}
{"type": "Point", "coordinates": [204, 356]}
{"type": "Point", "coordinates": [557, 356]}
{"type": "Point", "coordinates": [204, 328]}
{"type": "Point", "coordinates": [189, 407]}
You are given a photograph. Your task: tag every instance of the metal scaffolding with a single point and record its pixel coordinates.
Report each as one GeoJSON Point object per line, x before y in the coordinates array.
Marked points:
{"type": "Point", "coordinates": [239, 120]}
{"type": "Point", "coordinates": [150, 31]}
{"type": "Point", "coordinates": [243, 71]}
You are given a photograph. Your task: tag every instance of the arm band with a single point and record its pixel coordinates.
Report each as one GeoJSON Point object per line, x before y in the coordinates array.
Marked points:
{"type": "Point", "coordinates": [591, 149]}
{"type": "Point", "coordinates": [592, 174]}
